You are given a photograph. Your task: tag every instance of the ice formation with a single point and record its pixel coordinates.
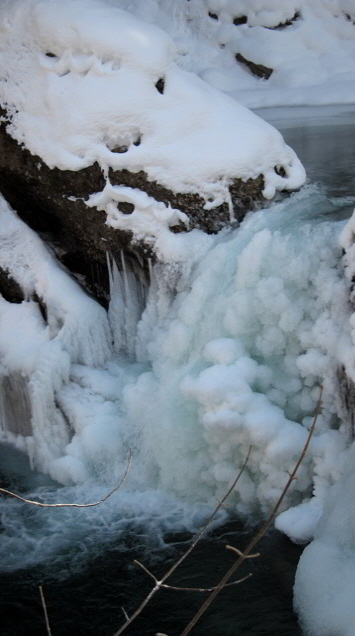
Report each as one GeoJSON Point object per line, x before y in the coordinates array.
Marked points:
{"type": "Point", "coordinates": [236, 358]}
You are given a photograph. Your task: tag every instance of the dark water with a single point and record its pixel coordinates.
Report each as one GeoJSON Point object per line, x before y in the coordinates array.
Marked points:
{"type": "Point", "coordinates": [323, 138]}
{"type": "Point", "coordinates": [89, 603]}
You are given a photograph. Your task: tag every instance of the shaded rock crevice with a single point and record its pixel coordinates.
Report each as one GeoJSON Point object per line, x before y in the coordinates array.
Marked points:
{"type": "Point", "coordinates": [346, 389]}
{"type": "Point", "coordinates": [9, 288]}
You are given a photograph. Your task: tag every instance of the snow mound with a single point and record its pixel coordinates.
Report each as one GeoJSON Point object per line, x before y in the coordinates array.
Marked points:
{"type": "Point", "coordinates": [324, 586]}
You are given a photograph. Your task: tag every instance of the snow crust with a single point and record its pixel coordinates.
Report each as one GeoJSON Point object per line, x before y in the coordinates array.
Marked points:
{"type": "Point", "coordinates": [81, 80]}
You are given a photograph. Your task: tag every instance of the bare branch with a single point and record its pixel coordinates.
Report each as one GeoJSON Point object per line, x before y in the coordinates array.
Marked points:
{"type": "Point", "coordinates": [125, 613]}
{"type": "Point", "coordinates": [146, 571]}
{"type": "Point", "coordinates": [72, 505]}
{"type": "Point", "coordinates": [45, 611]}
{"type": "Point", "coordinates": [242, 554]}
{"type": "Point", "coordinates": [203, 589]}
{"type": "Point", "coordinates": [223, 505]}
{"type": "Point", "coordinates": [259, 534]}
{"type": "Point", "coordinates": [159, 584]}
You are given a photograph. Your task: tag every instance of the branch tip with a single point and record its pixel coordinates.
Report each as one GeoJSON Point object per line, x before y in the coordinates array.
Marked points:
{"type": "Point", "coordinates": [242, 554]}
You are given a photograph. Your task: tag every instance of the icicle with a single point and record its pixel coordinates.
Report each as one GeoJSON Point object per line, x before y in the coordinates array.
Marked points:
{"type": "Point", "coordinates": [128, 300]}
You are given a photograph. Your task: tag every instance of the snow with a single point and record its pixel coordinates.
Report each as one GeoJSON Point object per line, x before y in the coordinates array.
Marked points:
{"type": "Point", "coordinates": [312, 57]}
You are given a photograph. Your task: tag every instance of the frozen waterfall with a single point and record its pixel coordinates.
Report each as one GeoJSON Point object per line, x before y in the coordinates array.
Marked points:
{"type": "Point", "coordinates": [230, 350]}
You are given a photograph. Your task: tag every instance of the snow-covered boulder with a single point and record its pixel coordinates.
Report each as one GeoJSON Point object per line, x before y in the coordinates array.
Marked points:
{"type": "Point", "coordinates": [107, 143]}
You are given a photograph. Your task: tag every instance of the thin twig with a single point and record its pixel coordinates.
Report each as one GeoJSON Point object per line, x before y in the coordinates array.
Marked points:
{"type": "Point", "coordinates": [72, 505]}
{"type": "Point", "coordinates": [45, 611]}
{"type": "Point", "coordinates": [190, 589]}
{"type": "Point", "coordinates": [259, 534]}
{"type": "Point", "coordinates": [146, 571]}
{"type": "Point", "coordinates": [204, 589]}
{"type": "Point", "coordinates": [158, 584]}
{"type": "Point", "coordinates": [240, 553]}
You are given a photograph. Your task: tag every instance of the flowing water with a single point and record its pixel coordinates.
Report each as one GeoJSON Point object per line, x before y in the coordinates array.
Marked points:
{"type": "Point", "coordinates": [208, 352]}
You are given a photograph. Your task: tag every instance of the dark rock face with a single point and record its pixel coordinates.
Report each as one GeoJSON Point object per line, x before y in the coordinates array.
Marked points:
{"type": "Point", "coordinates": [347, 397]}
{"type": "Point", "coordinates": [15, 404]}
{"type": "Point", "coordinates": [9, 288]}
{"type": "Point", "coordinates": [52, 202]}
{"type": "Point", "coordinates": [240, 19]}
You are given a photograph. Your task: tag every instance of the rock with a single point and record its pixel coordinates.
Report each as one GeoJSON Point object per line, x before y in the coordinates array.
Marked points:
{"type": "Point", "coordinates": [52, 202]}
{"type": "Point", "coordinates": [9, 288]}
{"type": "Point", "coordinates": [346, 390]}
{"type": "Point", "coordinates": [240, 19]}
{"type": "Point", "coordinates": [257, 69]}
{"type": "Point", "coordinates": [287, 23]}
